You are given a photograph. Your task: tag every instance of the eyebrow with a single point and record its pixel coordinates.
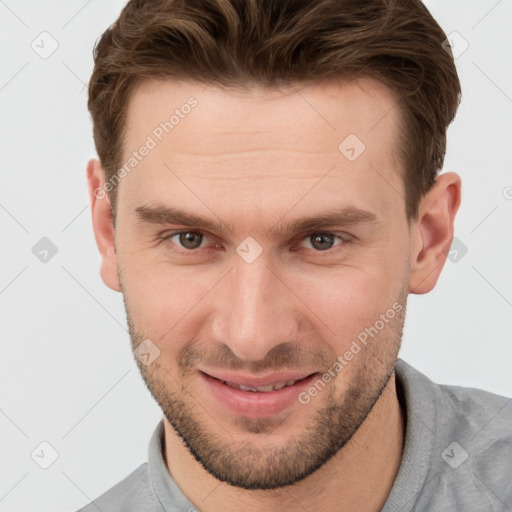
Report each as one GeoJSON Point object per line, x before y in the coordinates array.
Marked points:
{"type": "Point", "coordinates": [348, 216]}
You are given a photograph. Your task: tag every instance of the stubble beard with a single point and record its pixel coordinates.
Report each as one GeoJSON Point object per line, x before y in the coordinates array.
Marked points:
{"type": "Point", "coordinates": [271, 466]}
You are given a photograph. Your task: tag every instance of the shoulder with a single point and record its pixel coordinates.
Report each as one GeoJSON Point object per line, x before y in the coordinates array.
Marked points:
{"type": "Point", "coordinates": [468, 410]}
{"type": "Point", "coordinates": [468, 399]}
{"type": "Point", "coordinates": [483, 418]}
{"type": "Point", "coordinates": [483, 422]}
{"type": "Point", "coordinates": [133, 493]}
{"type": "Point", "coordinates": [470, 441]}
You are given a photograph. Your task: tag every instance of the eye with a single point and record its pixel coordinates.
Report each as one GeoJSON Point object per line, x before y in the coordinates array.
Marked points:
{"type": "Point", "coordinates": [188, 240]}
{"type": "Point", "coordinates": [322, 241]}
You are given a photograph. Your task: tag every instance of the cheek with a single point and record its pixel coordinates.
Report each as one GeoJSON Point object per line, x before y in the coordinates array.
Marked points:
{"type": "Point", "coordinates": [163, 300]}
{"type": "Point", "coordinates": [346, 302]}
{"type": "Point", "coordinates": [350, 299]}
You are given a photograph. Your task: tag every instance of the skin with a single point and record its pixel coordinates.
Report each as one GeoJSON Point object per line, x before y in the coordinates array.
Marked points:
{"type": "Point", "coordinates": [257, 159]}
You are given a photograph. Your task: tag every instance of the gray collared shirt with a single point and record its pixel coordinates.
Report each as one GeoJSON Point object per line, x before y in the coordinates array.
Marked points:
{"type": "Point", "coordinates": [457, 456]}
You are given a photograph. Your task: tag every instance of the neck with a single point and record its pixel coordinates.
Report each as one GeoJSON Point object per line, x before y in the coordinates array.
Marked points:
{"type": "Point", "coordinates": [359, 477]}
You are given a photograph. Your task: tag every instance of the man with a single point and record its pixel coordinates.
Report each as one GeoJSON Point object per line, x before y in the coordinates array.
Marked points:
{"type": "Point", "coordinates": [267, 195]}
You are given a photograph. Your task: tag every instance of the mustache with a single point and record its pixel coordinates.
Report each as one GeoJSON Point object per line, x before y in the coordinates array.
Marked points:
{"type": "Point", "coordinates": [284, 356]}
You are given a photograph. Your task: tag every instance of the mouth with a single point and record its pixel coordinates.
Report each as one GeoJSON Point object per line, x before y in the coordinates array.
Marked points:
{"type": "Point", "coordinates": [256, 401]}
{"type": "Point", "coordinates": [263, 389]}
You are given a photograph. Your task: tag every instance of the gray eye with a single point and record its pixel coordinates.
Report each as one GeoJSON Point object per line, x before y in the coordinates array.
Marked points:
{"type": "Point", "coordinates": [322, 241]}
{"type": "Point", "coordinates": [190, 239]}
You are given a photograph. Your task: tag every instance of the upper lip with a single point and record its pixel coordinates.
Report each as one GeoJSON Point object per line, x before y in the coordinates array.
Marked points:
{"type": "Point", "coordinates": [264, 380]}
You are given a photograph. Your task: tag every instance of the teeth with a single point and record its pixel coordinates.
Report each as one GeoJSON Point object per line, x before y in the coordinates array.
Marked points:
{"type": "Point", "coordinates": [263, 389]}
{"type": "Point", "coordinates": [243, 388]}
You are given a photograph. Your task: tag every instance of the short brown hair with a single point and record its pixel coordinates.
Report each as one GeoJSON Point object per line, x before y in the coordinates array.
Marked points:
{"type": "Point", "coordinates": [240, 43]}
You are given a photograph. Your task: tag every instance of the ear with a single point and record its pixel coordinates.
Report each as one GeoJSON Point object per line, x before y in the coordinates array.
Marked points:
{"type": "Point", "coordinates": [103, 225]}
{"type": "Point", "coordinates": [433, 232]}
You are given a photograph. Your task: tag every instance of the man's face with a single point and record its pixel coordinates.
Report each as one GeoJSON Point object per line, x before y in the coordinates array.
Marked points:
{"type": "Point", "coordinates": [256, 295]}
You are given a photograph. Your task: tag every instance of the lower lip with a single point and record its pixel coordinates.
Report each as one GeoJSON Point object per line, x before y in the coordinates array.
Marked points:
{"type": "Point", "coordinates": [256, 404]}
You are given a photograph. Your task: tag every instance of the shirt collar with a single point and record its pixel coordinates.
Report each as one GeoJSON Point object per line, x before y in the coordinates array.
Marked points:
{"type": "Point", "coordinates": [168, 493]}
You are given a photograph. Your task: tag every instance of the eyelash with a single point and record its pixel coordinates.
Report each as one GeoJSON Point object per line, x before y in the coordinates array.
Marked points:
{"type": "Point", "coordinates": [344, 239]}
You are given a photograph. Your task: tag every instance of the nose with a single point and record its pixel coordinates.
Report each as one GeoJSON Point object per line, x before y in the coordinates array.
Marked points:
{"type": "Point", "coordinates": [255, 312]}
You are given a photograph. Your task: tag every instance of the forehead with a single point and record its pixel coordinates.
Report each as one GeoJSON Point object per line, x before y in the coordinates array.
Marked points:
{"type": "Point", "coordinates": [322, 112]}
{"type": "Point", "coordinates": [248, 143]}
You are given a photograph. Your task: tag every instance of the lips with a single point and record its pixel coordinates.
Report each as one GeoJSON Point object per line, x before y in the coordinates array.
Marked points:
{"type": "Point", "coordinates": [263, 383]}
{"type": "Point", "coordinates": [256, 397]}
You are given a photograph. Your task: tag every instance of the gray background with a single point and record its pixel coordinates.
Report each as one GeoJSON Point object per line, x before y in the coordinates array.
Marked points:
{"type": "Point", "coordinates": [68, 376]}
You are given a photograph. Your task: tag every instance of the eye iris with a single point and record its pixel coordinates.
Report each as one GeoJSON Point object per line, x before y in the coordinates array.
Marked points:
{"type": "Point", "coordinates": [321, 238]}
{"type": "Point", "coordinates": [187, 240]}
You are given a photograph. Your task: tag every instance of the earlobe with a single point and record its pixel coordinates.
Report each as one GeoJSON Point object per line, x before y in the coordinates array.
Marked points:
{"type": "Point", "coordinates": [102, 222]}
{"type": "Point", "coordinates": [433, 232]}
